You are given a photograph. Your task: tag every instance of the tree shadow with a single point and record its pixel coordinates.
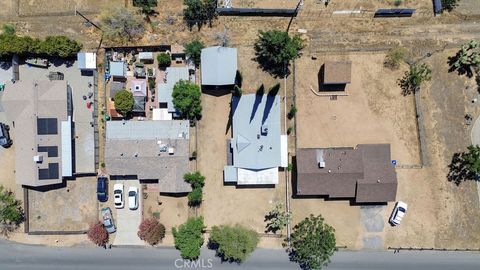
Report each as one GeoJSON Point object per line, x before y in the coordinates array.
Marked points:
{"type": "Point", "coordinates": [458, 171]}
{"type": "Point", "coordinates": [467, 70]}
{"type": "Point", "coordinates": [406, 86]}
{"type": "Point", "coordinates": [275, 70]}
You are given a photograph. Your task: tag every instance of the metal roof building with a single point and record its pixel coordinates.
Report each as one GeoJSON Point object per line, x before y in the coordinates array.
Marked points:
{"type": "Point", "coordinates": [118, 69]}
{"type": "Point", "coordinates": [256, 141]}
{"type": "Point", "coordinates": [165, 90]}
{"type": "Point", "coordinates": [87, 60]}
{"type": "Point", "coordinates": [364, 174]}
{"type": "Point", "coordinates": [43, 134]}
{"type": "Point", "coordinates": [219, 66]}
{"type": "Point", "coordinates": [149, 150]}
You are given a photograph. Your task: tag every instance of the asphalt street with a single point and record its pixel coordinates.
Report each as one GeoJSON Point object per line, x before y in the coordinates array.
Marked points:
{"type": "Point", "coordinates": [19, 256]}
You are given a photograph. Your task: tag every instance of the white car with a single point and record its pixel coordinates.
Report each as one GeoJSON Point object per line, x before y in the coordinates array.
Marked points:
{"type": "Point", "coordinates": [398, 213]}
{"type": "Point", "coordinates": [118, 195]}
{"type": "Point", "coordinates": [133, 198]}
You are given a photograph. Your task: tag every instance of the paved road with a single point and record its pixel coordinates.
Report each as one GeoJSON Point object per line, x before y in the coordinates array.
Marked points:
{"type": "Point", "coordinates": [19, 256]}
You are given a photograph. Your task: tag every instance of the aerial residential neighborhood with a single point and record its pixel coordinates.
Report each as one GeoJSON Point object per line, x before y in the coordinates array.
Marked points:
{"type": "Point", "coordinates": [249, 134]}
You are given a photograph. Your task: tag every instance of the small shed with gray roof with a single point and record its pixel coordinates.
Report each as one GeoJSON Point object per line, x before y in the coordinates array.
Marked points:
{"type": "Point", "coordinates": [165, 90]}
{"type": "Point", "coordinates": [219, 66]}
{"type": "Point", "coordinates": [150, 151]}
{"type": "Point", "coordinates": [364, 174]}
{"type": "Point", "coordinates": [118, 69]}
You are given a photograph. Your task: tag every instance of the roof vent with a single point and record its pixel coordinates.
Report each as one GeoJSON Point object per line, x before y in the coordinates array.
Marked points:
{"type": "Point", "coordinates": [38, 158]}
{"type": "Point", "coordinates": [321, 164]}
{"type": "Point", "coordinates": [264, 130]}
{"type": "Point", "coordinates": [136, 154]}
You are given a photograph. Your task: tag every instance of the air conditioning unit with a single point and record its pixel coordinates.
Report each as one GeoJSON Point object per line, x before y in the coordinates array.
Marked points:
{"type": "Point", "coordinates": [321, 164]}
{"type": "Point", "coordinates": [38, 159]}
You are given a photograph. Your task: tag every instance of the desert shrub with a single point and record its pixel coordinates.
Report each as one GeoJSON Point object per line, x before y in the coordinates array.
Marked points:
{"type": "Point", "coordinates": [98, 234]}
{"type": "Point", "coordinates": [395, 57]}
{"type": "Point", "coordinates": [151, 231]}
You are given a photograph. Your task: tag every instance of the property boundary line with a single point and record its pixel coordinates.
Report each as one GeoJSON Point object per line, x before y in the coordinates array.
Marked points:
{"type": "Point", "coordinates": [432, 249]}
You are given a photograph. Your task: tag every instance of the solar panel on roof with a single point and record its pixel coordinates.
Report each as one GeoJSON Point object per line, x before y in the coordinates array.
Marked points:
{"type": "Point", "coordinates": [47, 126]}
{"type": "Point", "coordinates": [51, 150]}
{"type": "Point", "coordinates": [51, 173]}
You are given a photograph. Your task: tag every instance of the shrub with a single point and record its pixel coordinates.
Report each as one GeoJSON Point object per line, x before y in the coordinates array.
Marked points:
{"type": "Point", "coordinates": [122, 23]}
{"type": "Point", "coordinates": [195, 197]}
{"type": "Point", "coordinates": [394, 57]}
{"type": "Point", "coordinates": [146, 6]}
{"type": "Point", "coordinates": [55, 46]}
{"type": "Point", "coordinates": [233, 244]}
{"type": "Point", "coordinates": [449, 5]}
{"type": "Point", "coordinates": [414, 78]}
{"type": "Point", "coordinates": [98, 234]}
{"type": "Point", "coordinates": [151, 84]}
{"type": "Point", "coordinates": [292, 112]}
{"type": "Point", "coordinates": [164, 60]}
{"type": "Point", "coordinates": [8, 29]}
{"type": "Point", "coordinates": [289, 130]}
{"type": "Point", "coordinates": [11, 212]}
{"type": "Point", "coordinates": [189, 238]}
{"type": "Point", "coordinates": [277, 218]}
{"type": "Point", "coordinates": [195, 179]}
{"type": "Point", "coordinates": [151, 231]}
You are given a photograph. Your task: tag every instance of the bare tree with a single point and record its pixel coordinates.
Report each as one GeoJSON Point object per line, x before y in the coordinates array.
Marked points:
{"type": "Point", "coordinates": [223, 37]}
{"type": "Point", "coordinates": [122, 24]}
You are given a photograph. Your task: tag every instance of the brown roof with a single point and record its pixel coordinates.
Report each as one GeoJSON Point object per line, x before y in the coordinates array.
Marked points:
{"type": "Point", "coordinates": [364, 173]}
{"type": "Point", "coordinates": [337, 72]}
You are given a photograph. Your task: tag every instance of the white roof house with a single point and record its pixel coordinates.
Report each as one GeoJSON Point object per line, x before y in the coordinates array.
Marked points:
{"type": "Point", "coordinates": [219, 66]}
{"type": "Point", "coordinates": [257, 145]}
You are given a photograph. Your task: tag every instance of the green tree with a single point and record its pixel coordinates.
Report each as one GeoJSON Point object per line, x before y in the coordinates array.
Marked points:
{"type": "Point", "coordinates": [233, 244]}
{"type": "Point", "coordinates": [60, 46]}
{"type": "Point", "coordinates": [186, 99]}
{"type": "Point", "coordinates": [312, 243]}
{"type": "Point", "coordinates": [198, 12]}
{"type": "Point", "coordinates": [197, 181]}
{"type": "Point", "coordinates": [471, 159]}
{"type": "Point", "coordinates": [449, 5]}
{"type": "Point", "coordinates": [124, 102]}
{"type": "Point", "coordinates": [146, 6]}
{"type": "Point", "coordinates": [275, 49]}
{"type": "Point", "coordinates": [189, 238]}
{"type": "Point", "coordinates": [151, 231]}
{"type": "Point", "coordinates": [395, 57]}
{"type": "Point", "coordinates": [193, 50]}
{"type": "Point", "coordinates": [122, 24]}
{"type": "Point", "coordinates": [164, 60]}
{"type": "Point", "coordinates": [413, 79]}
{"type": "Point", "coordinates": [467, 59]}
{"type": "Point", "coordinates": [11, 212]}
{"type": "Point", "coordinates": [277, 218]}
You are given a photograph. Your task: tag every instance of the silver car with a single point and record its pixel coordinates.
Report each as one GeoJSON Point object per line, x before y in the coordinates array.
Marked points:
{"type": "Point", "coordinates": [108, 220]}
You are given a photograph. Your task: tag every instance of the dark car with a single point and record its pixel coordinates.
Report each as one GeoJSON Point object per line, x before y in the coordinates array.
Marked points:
{"type": "Point", "coordinates": [5, 140]}
{"type": "Point", "coordinates": [102, 189]}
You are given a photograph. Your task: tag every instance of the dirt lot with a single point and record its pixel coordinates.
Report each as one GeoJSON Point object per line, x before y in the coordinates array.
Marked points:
{"type": "Point", "coordinates": [70, 208]}
{"type": "Point", "coordinates": [440, 213]}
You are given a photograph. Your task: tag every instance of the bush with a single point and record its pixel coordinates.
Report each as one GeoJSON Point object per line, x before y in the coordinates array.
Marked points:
{"type": "Point", "coordinates": [53, 46]}
{"type": "Point", "coordinates": [413, 79]}
{"type": "Point", "coordinates": [233, 244]}
{"type": "Point", "coordinates": [277, 218]}
{"type": "Point", "coordinates": [164, 60]}
{"type": "Point", "coordinates": [151, 84]}
{"type": "Point", "coordinates": [195, 197]}
{"type": "Point", "coordinates": [189, 238]}
{"type": "Point", "coordinates": [449, 5]}
{"type": "Point", "coordinates": [11, 212]}
{"type": "Point", "coordinates": [122, 24]}
{"type": "Point", "coordinates": [195, 179]}
{"type": "Point", "coordinates": [193, 50]}
{"type": "Point", "coordinates": [151, 231]}
{"type": "Point", "coordinates": [186, 99]}
{"type": "Point", "coordinates": [394, 57]}
{"type": "Point", "coordinates": [147, 6]}
{"type": "Point", "coordinates": [8, 29]}
{"type": "Point", "coordinates": [289, 130]}
{"type": "Point", "coordinates": [124, 102]}
{"type": "Point", "coordinates": [292, 112]}
{"type": "Point", "coordinates": [98, 234]}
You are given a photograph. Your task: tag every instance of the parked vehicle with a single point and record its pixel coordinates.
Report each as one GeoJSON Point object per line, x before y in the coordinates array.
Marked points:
{"type": "Point", "coordinates": [102, 189]}
{"type": "Point", "coordinates": [5, 140]}
{"type": "Point", "coordinates": [108, 220]}
{"type": "Point", "coordinates": [398, 213]}
{"type": "Point", "coordinates": [118, 195]}
{"type": "Point", "coordinates": [133, 198]}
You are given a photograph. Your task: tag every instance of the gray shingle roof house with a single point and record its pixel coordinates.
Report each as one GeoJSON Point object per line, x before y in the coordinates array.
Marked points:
{"type": "Point", "coordinates": [43, 131]}
{"type": "Point", "coordinates": [165, 90]}
{"type": "Point", "coordinates": [219, 66]}
{"type": "Point", "coordinates": [364, 174]}
{"type": "Point", "coordinates": [149, 150]}
{"type": "Point", "coordinates": [257, 145]}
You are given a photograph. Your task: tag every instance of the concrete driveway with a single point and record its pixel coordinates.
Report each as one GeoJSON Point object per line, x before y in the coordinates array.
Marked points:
{"type": "Point", "coordinates": [127, 221]}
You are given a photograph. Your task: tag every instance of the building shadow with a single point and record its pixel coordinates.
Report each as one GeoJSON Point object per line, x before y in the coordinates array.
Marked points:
{"type": "Point", "coordinates": [217, 91]}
